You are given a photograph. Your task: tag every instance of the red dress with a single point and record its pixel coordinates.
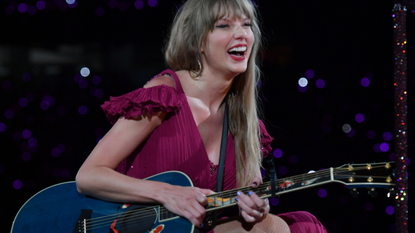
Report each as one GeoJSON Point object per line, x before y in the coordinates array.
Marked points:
{"type": "Point", "coordinates": [176, 144]}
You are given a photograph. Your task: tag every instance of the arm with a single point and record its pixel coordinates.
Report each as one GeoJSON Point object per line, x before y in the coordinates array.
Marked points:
{"type": "Point", "coordinates": [98, 178]}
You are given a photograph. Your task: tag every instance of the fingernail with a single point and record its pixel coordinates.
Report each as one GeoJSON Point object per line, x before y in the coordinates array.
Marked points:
{"type": "Point", "coordinates": [236, 199]}
{"type": "Point", "coordinates": [250, 193]}
{"type": "Point", "coordinates": [238, 193]}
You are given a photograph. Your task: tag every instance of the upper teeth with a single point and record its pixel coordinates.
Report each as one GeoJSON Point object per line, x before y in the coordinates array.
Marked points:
{"type": "Point", "coordinates": [238, 49]}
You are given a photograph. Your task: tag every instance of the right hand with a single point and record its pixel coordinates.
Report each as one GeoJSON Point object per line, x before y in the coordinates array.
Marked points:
{"type": "Point", "coordinates": [188, 202]}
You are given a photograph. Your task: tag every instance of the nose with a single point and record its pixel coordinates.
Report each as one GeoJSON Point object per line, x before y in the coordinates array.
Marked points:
{"type": "Point", "coordinates": [240, 33]}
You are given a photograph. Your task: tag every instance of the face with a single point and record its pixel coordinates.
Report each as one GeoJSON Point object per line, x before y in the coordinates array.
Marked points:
{"type": "Point", "coordinates": [227, 48]}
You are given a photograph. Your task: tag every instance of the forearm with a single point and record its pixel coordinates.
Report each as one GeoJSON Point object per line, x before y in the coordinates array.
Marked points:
{"type": "Point", "coordinates": [107, 184]}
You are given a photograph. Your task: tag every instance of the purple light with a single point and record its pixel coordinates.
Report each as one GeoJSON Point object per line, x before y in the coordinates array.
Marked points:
{"type": "Point", "coordinates": [44, 105]}
{"type": "Point", "coordinates": [365, 82]}
{"type": "Point", "coordinates": [96, 79]}
{"type": "Point", "coordinates": [22, 8]}
{"type": "Point", "coordinates": [359, 118]}
{"type": "Point", "coordinates": [7, 85]}
{"type": "Point", "coordinates": [61, 148]}
{"type": "Point", "coordinates": [65, 173]}
{"type": "Point", "coordinates": [277, 153]}
{"type": "Point", "coordinates": [320, 83]}
{"type": "Point", "coordinates": [82, 110]}
{"type": "Point", "coordinates": [274, 201]}
{"type": "Point", "coordinates": [40, 5]}
{"type": "Point", "coordinates": [351, 133]}
{"type": "Point", "coordinates": [26, 77]}
{"type": "Point", "coordinates": [83, 83]}
{"type": "Point", "coordinates": [77, 78]}
{"type": "Point", "coordinates": [390, 210]}
{"type": "Point", "coordinates": [123, 6]}
{"type": "Point", "coordinates": [152, 3]}
{"type": "Point", "coordinates": [17, 184]}
{"type": "Point", "coordinates": [17, 136]}
{"type": "Point", "coordinates": [293, 159]}
{"type": "Point", "coordinates": [26, 134]}
{"type": "Point", "coordinates": [113, 3]}
{"type": "Point", "coordinates": [31, 10]}
{"type": "Point", "coordinates": [371, 134]}
{"type": "Point", "coordinates": [32, 142]}
{"type": "Point", "coordinates": [139, 4]}
{"type": "Point", "coordinates": [23, 102]}
{"type": "Point", "coordinates": [98, 93]}
{"type": "Point", "coordinates": [309, 74]}
{"type": "Point", "coordinates": [283, 170]}
{"type": "Point", "coordinates": [387, 136]}
{"type": "Point", "coordinates": [99, 12]}
{"type": "Point", "coordinates": [55, 152]}
{"type": "Point", "coordinates": [322, 193]}
{"type": "Point", "coordinates": [2, 127]}
{"type": "Point", "coordinates": [408, 161]}
{"type": "Point", "coordinates": [384, 147]}
{"type": "Point", "coordinates": [73, 5]}
{"type": "Point", "coordinates": [263, 173]}
{"type": "Point", "coordinates": [392, 157]}
{"type": "Point", "coordinates": [51, 101]}
{"type": "Point", "coordinates": [26, 156]}
{"type": "Point", "coordinates": [9, 114]}
{"type": "Point", "coordinates": [10, 10]}
{"type": "Point", "coordinates": [393, 15]}
{"type": "Point", "coordinates": [302, 89]}
{"type": "Point", "coordinates": [369, 206]}
{"type": "Point", "coordinates": [325, 129]}
{"type": "Point", "coordinates": [376, 147]}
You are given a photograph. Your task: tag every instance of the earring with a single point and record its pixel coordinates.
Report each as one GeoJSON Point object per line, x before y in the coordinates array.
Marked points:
{"type": "Point", "coordinates": [200, 65]}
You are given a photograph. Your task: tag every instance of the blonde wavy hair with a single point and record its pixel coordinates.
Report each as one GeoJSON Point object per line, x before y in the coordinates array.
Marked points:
{"type": "Point", "coordinates": [189, 30]}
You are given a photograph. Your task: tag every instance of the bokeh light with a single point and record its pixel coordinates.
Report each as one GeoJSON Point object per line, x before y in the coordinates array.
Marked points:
{"type": "Point", "coordinates": [369, 206]}
{"type": "Point", "coordinates": [55, 152]}
{"type": "Point", "coordinates": [408, 161]}
{"type": "Point", "coordinates": [283, 170]}
{"type": "Point", "coordinates": [359, 118]}
{"type": "Point", "coordinates": [17, 184]}
{"type": "Point", "coordinates": [376, 147]}
{"type": "Point", "coordinates": [309, 74]}
{"type": "Point", "coordinates": [73, 5]}
{"type": "Point", "coordinates": [61, 148]}
{"type": "Point", "coordinates": [322, 193]}
{"type": "Point", "coordinates": [77, 78]}
{"type": "Point", "coordinates": [44, 105]}
{"type": "Point", "coordinates": [277, 153]}
{"type": "Point", "coordinates": [40, 5]}
{"type": "Point", "coordinates": [22, 8]}
{"type": "Point", "coordinates": [347, 128]}
{"type": "Point", "coordinates": [152, 3]}
{"type": "Point", "coordinates": [390, 210]}
{"type": "Point", "coordinates": [26, 134]}
{"type": "Point", "coordinates": [23, 102]}
{"type": "Point", "coordinates": [83, 84]}
{"type": "Point", "coordinates": [302, 89]}
{"type": "Point", "coordinates": [293, 159]}
{"type": "Point", "coordinates": [274, 201]}
{"type": "Point", "coordinates": [96, 79]}
{"type": "Point", "coordinates": [83, 110]}
{"type": "Point", "coordinates": [26, 156]}
{"type": "Point", "coordinates": [70, 2]}
{"type": "Point", "coordinates": [85, 72]}
{"type": "Point", "coordinates": [9, 114]}
{"type": "Point", "coordinates": [371, 134]}
{"type": "Point", "coordinates": [32, 142]}
{"type": "Point", "coordinates": [384, 147]}
{"type": "Point", "coordinates": [2, 127]}
{"type": "Point", "coordinates": [320, 83]}
{"type": "Point", "coordinates": [139, 4]}
{"type": "Point", "coordinates": [387, 136]}
{"type": "Point", "coordinates": [302, 82]}
{"type": "Point", "coordinates": [365, 82]}
{"type": "Point", "coordinates": [99, 12]}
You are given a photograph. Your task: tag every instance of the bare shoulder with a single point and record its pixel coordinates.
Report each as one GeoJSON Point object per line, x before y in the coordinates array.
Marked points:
{"type": "Point", "coordinates": [162, 80]}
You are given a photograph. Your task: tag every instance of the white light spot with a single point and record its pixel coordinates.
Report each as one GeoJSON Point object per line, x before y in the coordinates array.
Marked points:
{"type": "Point", "coordinates": [302, 82]}
{"type": "Point", "coordinates": [347, 128]}
{"type": "Point", "coordinates": [70, 2]}
{"type": "Point", "coordinates": [311, 171]}
{"type": "Point", "coordinates": [85, 72]}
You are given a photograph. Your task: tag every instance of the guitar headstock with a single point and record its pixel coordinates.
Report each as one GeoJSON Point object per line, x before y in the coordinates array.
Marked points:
{"type": "Point", "coordinates": [366, 175]}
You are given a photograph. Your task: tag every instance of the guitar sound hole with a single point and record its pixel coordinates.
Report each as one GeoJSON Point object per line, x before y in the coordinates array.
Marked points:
{"type": "Point", "coordinates": [138, 219]}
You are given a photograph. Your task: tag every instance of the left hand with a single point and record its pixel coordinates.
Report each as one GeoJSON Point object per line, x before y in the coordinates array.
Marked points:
{"type": "Point", "coordinates": [252, 208]}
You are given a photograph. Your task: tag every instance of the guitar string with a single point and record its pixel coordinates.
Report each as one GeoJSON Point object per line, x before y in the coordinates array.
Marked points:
{"type": "Point", "coordinates": [162, 210]}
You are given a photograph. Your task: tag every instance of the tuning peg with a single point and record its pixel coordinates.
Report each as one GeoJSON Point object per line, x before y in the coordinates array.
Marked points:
{"type": "Point", "coordinates": [372, 192]}
{"type": "Point", "coordinates": [391, 193]}
{"type": "Point", "coordinates": [354, 192]}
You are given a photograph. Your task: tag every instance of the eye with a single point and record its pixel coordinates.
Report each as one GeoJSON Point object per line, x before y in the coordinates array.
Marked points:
{"type": "Point", "coordinates": [222, 26]}
{"type": "Point", "coordinates": [248, 25]}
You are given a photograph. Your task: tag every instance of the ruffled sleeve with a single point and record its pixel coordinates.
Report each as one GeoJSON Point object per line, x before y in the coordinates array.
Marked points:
{"type": "Point", "coordinates": [141, 101]}
{"type": "Point", "coordinates": [265, 139]}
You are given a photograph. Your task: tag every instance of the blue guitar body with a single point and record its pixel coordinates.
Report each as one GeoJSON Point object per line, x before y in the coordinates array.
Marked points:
{"type": "Point", "coordinates": [61, 209]}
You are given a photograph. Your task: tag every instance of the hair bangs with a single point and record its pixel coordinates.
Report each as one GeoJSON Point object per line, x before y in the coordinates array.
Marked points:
{"type": "Point", "coordinates": [230, 8]}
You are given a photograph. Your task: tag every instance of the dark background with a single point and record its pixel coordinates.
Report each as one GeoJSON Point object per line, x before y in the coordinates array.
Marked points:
{"type": "Point", "coordinates": [341, 41]}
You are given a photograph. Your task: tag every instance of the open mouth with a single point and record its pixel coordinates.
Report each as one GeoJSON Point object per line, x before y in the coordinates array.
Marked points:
{"type": "Point", "coordinates": [237, 51]}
